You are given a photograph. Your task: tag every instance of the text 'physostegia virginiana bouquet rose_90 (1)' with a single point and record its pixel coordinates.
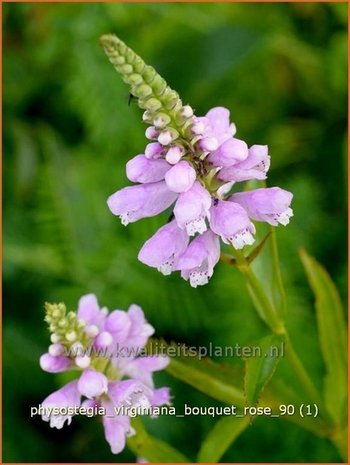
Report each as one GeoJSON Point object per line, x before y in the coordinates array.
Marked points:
{"type": "Point", "coordinates": [190, 163]}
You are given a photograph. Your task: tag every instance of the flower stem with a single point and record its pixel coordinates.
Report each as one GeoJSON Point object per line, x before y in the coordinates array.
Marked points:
{"type": "Point", "coordinates": [272, 318]}
{"type": "Point", "coordinates": [260, 299]}
{"type": "Point", "coordinates": [302, 374]}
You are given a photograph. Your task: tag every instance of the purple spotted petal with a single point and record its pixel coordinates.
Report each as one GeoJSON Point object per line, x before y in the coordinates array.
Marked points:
{"type": "Point", "coordinates": [163, 249]}
{"type": "Point", "coordinates": [130, 393]}
{"type": "Point", "coordinates": [141, 201]}
{"type": "Point", "coordinates": [231, 222]}
{"type": "Point", "coordinates": [271, 204]}
{"type": "Point", "coordinates": [116, 428]}
{"type": "Point", "coordinates": [143, 170]}
{"type": "Point", "coordinates": [142, 368]}
{"type": "Point", "coordinates": [192, 208]}
{"type": "Point", "coordinates": [67, 396]}
{"type": "Point", "coordinates": [255, 166]}
{"type": "Point", "coordinates": [198, 261]}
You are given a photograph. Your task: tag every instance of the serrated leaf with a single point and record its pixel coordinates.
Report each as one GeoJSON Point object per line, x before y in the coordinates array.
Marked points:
{"type": "Point", "coordinates": [259, 369]}
{"type": "Point", "coordinates": [332, 336]}
{"type": "Point", "coordinates": [152, 449]}
{"type": "Point", "coordinates": [220, 438]}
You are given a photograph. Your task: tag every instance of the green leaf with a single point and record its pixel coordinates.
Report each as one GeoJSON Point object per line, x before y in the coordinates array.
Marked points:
{"type": "Point", "coordinates": [152, 449]}
{"type": "Point", "coordinates": [220, 438]}
{"type": "Point", "coordinates": [332, 335]}
{"type": "Point", "coordinates": [217, 381]}
{"type": "Point", "coordinates": [260, 369]}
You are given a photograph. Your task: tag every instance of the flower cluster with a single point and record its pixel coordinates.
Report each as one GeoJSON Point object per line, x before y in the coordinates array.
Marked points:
{"type": "Point", "coordinates": [92, 340]}
{"type": "Point", "coordinates": [190, 163]}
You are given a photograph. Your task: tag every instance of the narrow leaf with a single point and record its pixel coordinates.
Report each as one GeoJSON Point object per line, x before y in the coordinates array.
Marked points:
{"type": "Point", "coordinates": [332, 335]}
{"type": "Point", "coordinates": [220, 438]}
{"type": "Point", "coordinates": [217, 381]}
{"type": "Point", "coordinates": [260, 369]}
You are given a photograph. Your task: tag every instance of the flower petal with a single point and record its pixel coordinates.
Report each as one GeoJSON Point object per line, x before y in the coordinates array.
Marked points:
{"type": "Point", "coordinates": [135, 202]}
{"type": "Point", "coordinates": [141, 169]}
{"type": "Point", "coordinates": [192, 208]}
{"type": "Point", "coordinates": [162, 250]}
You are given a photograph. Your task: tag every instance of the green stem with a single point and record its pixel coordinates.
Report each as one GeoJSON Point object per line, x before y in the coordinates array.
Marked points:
{"type": "Point", "coordinates": [262, 302]}
{"type": "Point", "coordinates": [280, 300]}
{"type": "Point", "coordinates": [302, 374]}
{"type": "Point", "coordinates": [272, 318]}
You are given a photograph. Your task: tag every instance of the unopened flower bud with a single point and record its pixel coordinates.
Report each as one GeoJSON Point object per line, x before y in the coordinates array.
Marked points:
{"type": "Point", "coordinates": [161, 120]}
{"type": "Point", "coordinates": [153, 150]}
{"type": "Point", "coordinates": [56, 349]}
{"type": "Point", "coordinates": [55, 338]}
{"type": "Point", "coordinates": [91, 331]}
{"type": "Point", "coordinates": [56, 313]}
{"type": "Point", "coordinates": [142, 91]}
{"type": "Point", "coordinates": [147, 117]}
{"type": "Point", "coordinates": [104, 339]}
{"type": "Point", "coordinates": [71, 336]}
{"type": "Point", "coordinates": [126, 69]}
{"type": "Point", "coordinates": [135, 79]}
{"type": "Point", "coordinates": [92, 384]}
{"type": "Point", "coordinates": [151, 133]}
{"type": "Point", "coordinates": [63, 323]}
{"type": "Point", "coordinates": [187, 111]}
{"type": "Point", "coordinates": [168, 136]}
{"type": "Point", "coordinates": [174, 154]}
{"type": "Point", "coordinates": [180, 177]}
{"type": "Point", "coordinates": [152, 105]}
{"type": "Point", "coordinates": [54, 364]}
{"type": "Point", "coordinates": [82, 361]}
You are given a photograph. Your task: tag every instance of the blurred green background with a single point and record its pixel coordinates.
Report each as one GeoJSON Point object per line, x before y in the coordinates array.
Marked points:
{"type": "Point", "coordinates": [67, 133]}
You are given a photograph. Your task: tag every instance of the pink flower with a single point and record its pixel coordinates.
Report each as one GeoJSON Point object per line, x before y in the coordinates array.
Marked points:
{"type": "Point", "coordinates": [141, 201]}
{"type": "Point", "coordinates": [180, 177]}
{"type": "Point", "coordinates": [117, 377]}
{"type": "Point", "coordinates": [192, 209]}
{"type": "Point", "coordinates": [231, 222]}
{"type": "Point", "coordinates": [271, 204]}
{"type": "Point", "coordinates": [163, 249]}
{"type": "Point", "coordinates": [144, 170]}
{"type": "Point", "coordinates": [66, 397]}
{"type": "Point", "coordinates": [231, 152]}
{"type": "Point", "coordinates": [198, 261]}
{"type": "Point", "coordinates": [255, 166]}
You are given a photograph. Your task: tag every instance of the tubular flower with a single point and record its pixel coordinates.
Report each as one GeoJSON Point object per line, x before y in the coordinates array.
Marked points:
{"type": "Point", "coordinates": [104, 348]}
{"type": "Point", "coordinates": [190, 164]}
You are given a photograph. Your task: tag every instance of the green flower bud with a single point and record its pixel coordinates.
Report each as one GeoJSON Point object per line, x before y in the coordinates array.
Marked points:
{"type": "Point", "coordinates": [161, 120]}
{"type": "Point", "coordinates": [142, 91]}
{"type": "Point", "coordinates": [149, 87]}
{"type": "Point", "coordinates": [134, 79]}
{"type": "Point", "coordinates": [152, 105]}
